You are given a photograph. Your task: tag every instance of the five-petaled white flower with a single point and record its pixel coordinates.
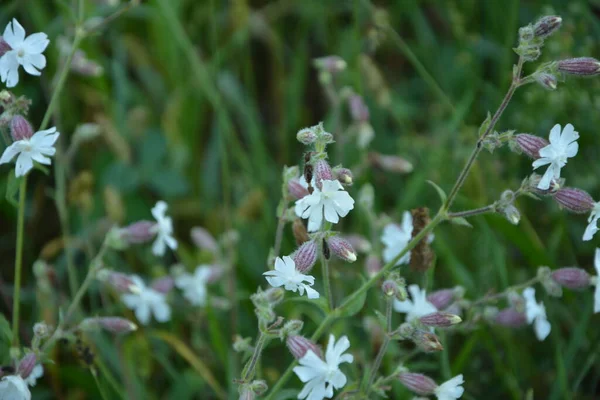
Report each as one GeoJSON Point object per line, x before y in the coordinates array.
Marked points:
{"type": "Point", "coordinates": [25, 51]}
{"type": "Point", "coordinates": [146, 301]}
{"type": "Point", "coordinates": [592, 227]}
{"type": "Point", "coordinates": [536, 314]}
{"type": "Point", "coordinates": [322, 376]}
{"type": "Point", "coordinates": [286, 275]}
{"type": "Point", "coordinates": [163, 229]}
{"type": "Point", "coordinates": [13, 387]}
{"type": "Point", "coordinates": [36, 373]}
{"type": "Point", "coordinates": [331, 202]}
{"type": "Point", "coordinates": [562, 146]}
{"type": "Point", "coordinates": [194, 286]}
{"type": "Point", "coordinates": [415, 307]}
{"type": "Point", "coordinates": [37, 148]}
{"type": "Point", "coordinates": [597, 282]}
{"type": "Point", "coordinates": [450, 390]}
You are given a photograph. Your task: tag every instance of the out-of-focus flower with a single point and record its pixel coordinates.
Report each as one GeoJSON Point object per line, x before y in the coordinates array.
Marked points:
{"type": "Point", "coordinates": [597, 282]}
{"type": "Point", "coordinates": [451, 389]}
{"type": "Point", "coordinates": [424, 385]}
{"type": "Point", "coordinates": [417, 306]}
{"type": "Point", "coordinates": [563, 145]}
{"type": "Point", "coordinates": [37, 148]}
{"type": "Point", "coordinates": [163, 229]}
{"type": "Point", "coordinates": [13, 387]}
{"type": "Point", "coordinates": [330, 202]}
{"type": "Point", "coordinates": [203, 239]}
{"type": "Point", "coordinates": [389, 163]}
{"type": "Point", "coordinates": [195, 286]}
{"type": "Point", "coordinates": [111, 324]}
{"type": "Point", "coordinates": [536, 314]}
{"type": "Point", "coordinates": [592, 227]}
{"type": "Point", "coordinates": [286, 275]}
{"type": "Point", "coordinates": [510, 317]}
{"type": "Point", "coordinates": [147, 302]}
{"type": "Point", "coordinates": [36, 373]}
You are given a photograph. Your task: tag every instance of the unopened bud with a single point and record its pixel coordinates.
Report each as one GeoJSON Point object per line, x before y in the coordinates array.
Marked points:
{"type": "Point", "coordinates": [41, 330]}
{"type": "Point", "coordinates": [574, 200]}
{"type": "Point", "coordinates": [259, 387]}
{"type": "Point", "coordinates": [344, 175]}
{"type": "Point", "coordinates": [555, 185]}
{"type": "Point", "coordinates": [546, 80]}
{"type": "Point", "coordinates": [440, 319]}
{"type": "Point", "coordinates": [274, 295]}
{"type": "Point", "coordinates": [426, 341]}
{"type": "Point", "coordinates": [358, 109]}
{"type": "Point", "coordinates": [341, 248]}
{"type": "Point", "coordinates": [246, 393]}
{"type": "Point", "coordinates": [111, 324]}
{"type": "Point", "coordinates": [406, 330]}
{"type": "Point", "coordinates": [359, 243]}
{"type": "Point", "coordinates": [389, 288]}
{"type": "Point", "coordinates": [203, 239]}
{"type": "Point", "coordinates": [441, 298]}
{"type": "Point", "coordinates": [511, 318]}
{"type": "Point", "coordinates": [163, 285]}
{"type": "Point", "coordinates": [299, 346]}
{"type": "Point", "coordinates": [322, 172]}
{"type": "Point", "coordinates": [418, 383]}
{"type": "Point", "coordinates": [544, 274]}
{"type": "Point", "coordinates": [139, 232]}
{"type": "Point", "coordinates": [330, 64]}
{"type": "Point", "coordinates": [296, 190]}
{"type": "Point", "coordinates": [512, 214]}
{"type": "Point", "coordinates": [86, 132]}
{"type": "Point", "coordinates": [26, 365]}
{"type": "Point", "coordinates": [4, 47]}
{"type": "Point", "coordinates": [242, 345]}
{"type": "Point", "coordinates": [546, 26]}
{"type": "Point", "coordinates": [306, 136]}
{"type": "Point", "coordinates": [571, 277]}
{"type": "Point", "coordinates": [582, 66]}
{"type": "Point", "coordinates": [530, 144]}
{"type": "Point", "coordinates": [292, 327]}
{"type": "Point", "coordinates": [306, 256]}
{"type": "Point", "coordinates": [372, 265]}
{"type": "Point", "coordinates": [20, 128]}
{"type": "Point", "coordinates": [120, 282]}
{"type": "Point", "coordinates": [300, 232]}
{"type": "Point", "coordinates": [392, 164]}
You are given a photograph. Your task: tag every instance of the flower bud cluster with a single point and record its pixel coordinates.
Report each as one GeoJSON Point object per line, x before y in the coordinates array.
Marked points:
{"type": "Point", "coordinates": [532, 36]}
{"type": "Point", "coordinates": [264, 302]}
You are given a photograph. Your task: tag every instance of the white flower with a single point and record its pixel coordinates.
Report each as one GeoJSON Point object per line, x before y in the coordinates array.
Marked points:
{"type": "Point", "coordinates": [146, 302]}
{"type": "Point", "coordinates": [417, 306]}
{"type": "Point", "coordinates": [536, 314]}
{"type": "Point", "coordinates": [451, 389]}
{"type": "Point", "coordinates": [597, 282]}
{"type": "Point", "coordinates": [13, 387]}
{"type": "Point", "coordinates": [38, 148]}
{"type": "Point", "coordinates": [321, 377]}
{"type": "Point", "coordinates": [194, 286]}
{"type": "Point", "coordinates": [562, 146]}
{"type": "Point", "coordinates": [332, 201]}
{"type": "Point", "coordinates": [163, 229]}
{"type": "Point", "coordinates": [592, 227]}
{"type": "Point", "coordinates": [395, 238]}
{"type": "Point", "coordinates": [25, 51]}
{"type": "Point", "coordinates": [36, 373]}
{"type": "Point", "coordinates": [286, 275]}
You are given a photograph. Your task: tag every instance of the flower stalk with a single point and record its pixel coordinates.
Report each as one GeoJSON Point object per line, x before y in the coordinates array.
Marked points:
{"type": "Point", "coordinates": [389, 301]}
{"type": "Point", "coordinates": [18, 262]}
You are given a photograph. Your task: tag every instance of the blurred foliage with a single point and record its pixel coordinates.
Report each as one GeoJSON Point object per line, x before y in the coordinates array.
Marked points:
{"type": "Point", "coordinates": [199, 105]}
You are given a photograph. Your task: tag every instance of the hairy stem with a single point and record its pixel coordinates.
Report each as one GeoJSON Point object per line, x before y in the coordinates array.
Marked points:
{"type": "Point", "coordinates": [18, 262]}
{"type": "Point", "coordinates": [505, 292]}
{"type": "Point", "coordinates": [470, 213]}
{"type": "Point", "coordinates": [248, 372]}
{"type": "Point", "coordinates": [327, 281]}
{"type": "Point", "coordinates": [382, 348]}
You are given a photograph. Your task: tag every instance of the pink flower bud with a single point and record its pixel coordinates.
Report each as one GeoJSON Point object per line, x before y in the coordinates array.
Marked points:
{"type": "Point", "coordinates": [359, 243]}
{"type": "Point", "coordinates": [546, 26]}
{"type": "Point", "coordinates": [139, 232]}
{"type": "Point", "coordinates": [372, 266]}
{"type": "Point", "coordinates": [392, 164]}
{"type": "Point", "coordinates": [163, 285]}
{"type": "Point", "coordinates": [341, 248]}
{"type": "Point", "coordinates": [306, 136]}
{"type": "Point", "coordinates": [531, 144]}
{"type": "Point", "coordinates": [26, 365]}
{"type": "Point", "coordinates": [389, 288]}
{"type": "Point", "coordinates": [441, 298]}
{"type": "Point", "coordinates": [203, 239]}
{"type": "Point", "coordinates": [20, 129]}
{"type": "Point", "coordinates": [546, 80]}
{"type": "Point", "coordinates": [582, 66]}
{"type": "Point", "coordinates": [296, 189]}
{"type": "Point", "coordinates": [111, 324]}
{"type": "Point", "coordinates": [4, 47]}
{"type": "Point", "coordinates": [440, 319]}
{"type": "Point", "coordinates": [331, 64]}
{"type": "Point", "coordinates": [358, 109]}
{"type": "Point", "coordinates": [511, 318]}
{"type": "Point", "coordinates": [571, 277]}
{"type": "Point", "coordinates": [306, 256]}
{"type": "Point", "coordinates": [299, 345]}
{"type": "Point", "coordinates": [344, 175]}
{"type": "Point", "coordinates": [322, 172]}
{"type": "Point", "coordinates": [120, 282]}
{"type": "Point", "coordinates": [418, 383]}
{"type": "Point", "coordinates": [574, 200]}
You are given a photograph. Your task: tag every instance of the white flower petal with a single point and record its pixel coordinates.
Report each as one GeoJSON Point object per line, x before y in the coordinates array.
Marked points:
{"type": "Point", "coordinates": [36, 43]}
{"type": "Point", "coordinates": [10, 152]}
{"type": "Point", "coordinates": [597, 297]}
{"type": "Point", "coordinates": [14, 34]}
{"type": "Point", "coordinates": [24, 164]}
{"type": "Point", "coordinates": [555, 134]}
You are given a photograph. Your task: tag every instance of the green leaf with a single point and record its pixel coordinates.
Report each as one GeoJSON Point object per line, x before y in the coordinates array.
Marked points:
{"type": "Point", "coordinates": [5, 338]}
{"type": "Point", "coordinates": [485, 125]}
{"type": "Point", "coordinates": [321, 302]}
{"type": "Point", "coordinates": [287, 394]}
{"type": "Point", "coordinates": [439, 190]}
{"type": "Point", "coordinates": [354, 306]}
{"type": "Point", "coordinates": [12, 188]}
{"type": "Point", "coordinates": [461, 221]}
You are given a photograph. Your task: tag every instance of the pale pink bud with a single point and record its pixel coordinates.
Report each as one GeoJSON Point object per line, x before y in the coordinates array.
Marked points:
{"type": "Point", "coordinates": [203, 239]}
{"type": "Point", "coordinates": [582, 66]}
{"type": "Point", "coordinates": [344, 175]}
{"type": "Point", "coordinates": [20, 129]}
{"type": "Point", "coordinates": [546, 26]}
{"type": "Point", "coordinates": [111, 324]}
{"type": "Point", "coordinates": [359, 243]}
{"type": "Point", "coordinates": [358, 109]}
{"type": "Point", "coordinates": [4, 47]}
{"type": "Point", "coordinates": [296, 189]}
{"type": "Point", "coordinates": [511, 318]}
{"type": "Point", "coordinates": [299, 345]}
{"type": "Point", "coordinates": [440, 319]}
{"type": "Point", "coordinates": [441, 298]}
{"type": "Point", "coordinates": [531, 144]}
{"type": "Point", "coordinates": [306, 136]}
{"type": "Point", "coordinates": [418, 383]}
{"type": "Point", "coordinates": [322, 172]}
{"type": "Point", "coordinates": [306, 256]}
{"type": "Point", "coordinates": [331, 64]}
{"type": "Point", "coordinates": [571, 277]}
{"type": "Point", "coordinates": [163, 285]}
{"type": "Point", "coordinates": [372, 265]}
{"type": "Point", "coordinates": [120, 282]}
{"type": "Point", "coordinates": [392, 164]}
{"type": "Point", "coordinates": [139, 232]}
{"type": "Point", "coordinates": [26, 365]}
{"type": "Point", "coordinates": [574, 200]}
{"type": "Point", "coordinates": [341, 248]}
{"type": "Point", "coordinates": [546, 80]}
{"type": "Point", "coordinates": [389, 288]}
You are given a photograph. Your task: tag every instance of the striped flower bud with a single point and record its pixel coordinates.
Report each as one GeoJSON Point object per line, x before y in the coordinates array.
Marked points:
{"type": "Point", "coordinates": [322, 172]}
{"type": "Point", "coordinates": [441, 298]}
{"type": "Point", "coordinates": [306, 256]}
{"type": "Point", "coordinates": [546, 80]}
{"type": "Point", "coordinates": [139, 232]}
{"type": "Point", "coordinates": [571, 277]}
{"type": "Point", "coordinates": [306, 136]}
{"type": "Point", "coordinates": [582, 66]}
{"type": "Point", "coordinates": [111, 324]}
{"type": "Point", "coordinates": [418, 383]}
{"type": "Point", "coordinates": [546, 26]}
{"type": "Point", "coordinates": [358, 109]}
{"type": "Point", "coordinates": [203, 239]}
{"type": "Point", "coordinates": [531, 144]}
{"type": "Point", "coordinates": [4, 47]}
{"type": "Point", "coordinates": [341, 248]}
{"type": "Point", "coordinates": [120, 282]}
{"type": "Point", "coordinates": [574, 200]}
{"type": "Point", "coordinates": [299, 345]}
{"type": "Point", "coordinates": [26, 365]}
{"type": "Point", "coordinates": [163, 285]}
{"type": "Point", "coordinates": [359, 243]}
{"type": "Point", "coordinates": [511, 318]}
{"type": "Point", "coordinates": [440, 319]}
{"type": "Point", "coordinates": [296, 190]}
{"type": "Point", "coordinates": [344, 175]}
{"type": "Point", "coordinates": [534, 180]}
{"type": "Point", "coordinates": [20, 128]}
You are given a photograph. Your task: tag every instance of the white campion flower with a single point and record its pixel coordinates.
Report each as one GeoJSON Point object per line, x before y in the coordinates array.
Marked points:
{"type": "Point", "coordinates": [562, 146]}
{"type": "Point", "coordinates": [331, 202]}
{"type": "Point", "coordinates": [147, 301]}
{"type": "Point", "coordinates": [13, 387]}
{"type": "Point", "coordinates": [536, 314]}
{"type": "Point", "coordinates": [36, 373]}
{"type": "Point", "coordinates": [592, 227]}
{"type": "Point", "coordinates": [597, 282]}
{"type": "Point", "coordinates": [194, 286]}
{"type": "Point", "coordinates": [322, 376]}
{"type": "Point", "coordinates": [450, 390]}
{"type": "Point", "coordinates": [38, 147]}
{"type": "Point", "coordinates": [163, 229]}
{"type": "Point", "coordinates": [285, 274]}
{"type": "Point", "coordinates": [415, 307]}
{"type": "Point", "coordinates": [395, 237]}
{"type": "Point", "coordinates": [24, 51]}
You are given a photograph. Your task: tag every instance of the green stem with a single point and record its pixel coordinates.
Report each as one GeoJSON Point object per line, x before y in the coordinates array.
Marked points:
{"type": "Point", "coordinates": [382, 349]}
{"type": "Point", "coordinates": [102, 394]}
{"type": "Point", "coordinates": [470, 213]}
{"type": "Point", "coordinates": [327, 281]}
{"type": "Point", "coordinates": [487, 299]}
{"type": "Point", "coordinates": [248, 372]}
{"type": "Point", "coordinates": [18, 262]}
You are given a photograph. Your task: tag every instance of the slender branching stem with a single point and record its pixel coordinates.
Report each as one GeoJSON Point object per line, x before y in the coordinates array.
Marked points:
{"type": "Point", "coordinates": [505, 292]}
{"type": "Point", "coordinates": [470, 213]}
{"type": "Point", "coordinates": [248, 372]}
{"type": "Point", "coordinates": [383, 348]}
{"type": "Point", "coordinates": [18, 262]}
{"type": "Point", "coordinates": [327, 281]}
